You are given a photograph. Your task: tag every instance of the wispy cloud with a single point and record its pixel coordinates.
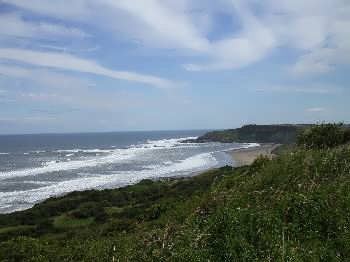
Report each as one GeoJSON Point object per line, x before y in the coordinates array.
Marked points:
{"type": "Point", "coordinates": [318, 29]}
{"type": "Point", "coordinates": [307, 89]}
{"type": "Point", "coordinates": [61, 8]}
{"type": "Point", "coordinates": [55, 89]}
{"type": "Point", "coordinates": [43, 77]}
{"type": "Point", "coordinates": [27, 119]}
{"type": "Point", "coordinates": [14, 25]}
{"type": "Point", "coordinates": [316, 109]}
{"type": "Point", "coordinates": [66, 54]}
{"type": "Point", "coordinates": [72, 63]}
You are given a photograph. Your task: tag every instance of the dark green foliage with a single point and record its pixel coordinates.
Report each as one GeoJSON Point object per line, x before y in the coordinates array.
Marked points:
{"type": "Point", "coordinates": [323, 136]}
{"type": "Point", "coordinates": [24, 249]}
{"type": "Point", "coordinates": [295, 207]}
{"type": "Point", "coordinates": [283, 148]}
{"type": "Point", "coordinates": [268, 133]}
{"type": "Point", "coordinates": [285, 134]}
{"type": "Point", "coordinates": [347, 135]}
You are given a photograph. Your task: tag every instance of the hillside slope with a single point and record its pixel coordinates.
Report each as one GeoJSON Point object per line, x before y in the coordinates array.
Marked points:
{"type": "Point", "coordinates": [282, 134]}
{"type": "Point", "coordinates": [295, 207]}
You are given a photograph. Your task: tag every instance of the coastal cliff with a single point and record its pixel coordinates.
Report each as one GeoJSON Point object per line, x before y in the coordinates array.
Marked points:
{"type": "Point", "coordinates": [282, 134]}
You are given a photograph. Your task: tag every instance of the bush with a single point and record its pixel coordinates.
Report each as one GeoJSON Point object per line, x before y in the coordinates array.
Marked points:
{"type": "Point", "coordinates": [323, 136]}
{"type": "Point", "coordinates": [23, 249]}
{"type": "Point", "coordinates": [347, 135]}
{"type": "Point", "coordinates": [44, 226]}
{"type": "Point", "coordinates": [117, 226]}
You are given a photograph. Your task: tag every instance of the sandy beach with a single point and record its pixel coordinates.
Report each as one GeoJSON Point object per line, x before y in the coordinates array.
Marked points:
{"type": "Point", "coordinates": [247, 156]}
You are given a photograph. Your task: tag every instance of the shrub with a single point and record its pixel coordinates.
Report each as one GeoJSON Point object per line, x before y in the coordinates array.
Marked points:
{"type": "Point", "coordinates": [44, 226]}
{"type": "Point", "coordinates": [347, 135]}
{"type": "Point", "coordinates": [23, 249]}
{"type": "Point", "coordinates": [323, 136]}
{"type": "Point", "coordinates": [118, 226]}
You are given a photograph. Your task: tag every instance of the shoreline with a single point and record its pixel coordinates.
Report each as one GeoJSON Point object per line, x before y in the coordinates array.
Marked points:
{"type": "Point", "coordinates": [246, 156]}
{"type": "Point", "coordinates": [240, 157]}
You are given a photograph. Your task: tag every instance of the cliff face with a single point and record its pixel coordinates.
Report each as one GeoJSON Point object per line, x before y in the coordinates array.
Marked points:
{"type": "Point", "coordinates": [284, 134]}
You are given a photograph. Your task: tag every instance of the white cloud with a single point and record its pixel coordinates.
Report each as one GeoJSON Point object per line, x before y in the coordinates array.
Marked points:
{"type": "Point", "coordinates": [14, 25]}
{"type": "Point", "coordinates": [309, 66]}
{"type": "Point", "coordinates": [82, 99]}
{"type": "Point", "coordinates": [60, 89]}
{"type": "Point", "coordinates": [307, 89]}
{"type": "Point", "coordinates": [316, 109]}
{"type": "Point", "coordinates": [62, 8]}
{"type": "Point", "coordinates": [165, 20]}
{"type": "Point", "coordinates": [251, 45]}
{"type": "Point", "coordinates": [28, 119]}
{"type": "Point", "coordinates": [172, 24]}
{"type": "Point", "coordinates": [318, 29]}
{"type": "Point", "coordinates": [72, 63]}
{"type": "Point", "coordinates": [43, 77]}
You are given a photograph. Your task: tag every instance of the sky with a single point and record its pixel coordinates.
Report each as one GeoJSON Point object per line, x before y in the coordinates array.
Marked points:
{"type": "Point", "coordinates": [118, 65]}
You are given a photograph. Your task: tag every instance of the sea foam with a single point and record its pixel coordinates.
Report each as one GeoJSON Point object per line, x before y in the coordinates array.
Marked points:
{"type": "Point", "coordinates": [86, 179]}
{"type": "Point", "coordinates": [27, 198]}
{"type": "Point", "coordinates": [113, 156]}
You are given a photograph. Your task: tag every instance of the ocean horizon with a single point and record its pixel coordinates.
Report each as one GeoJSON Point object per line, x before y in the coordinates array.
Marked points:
{"type": "Point", "coordinates": [34, 167]}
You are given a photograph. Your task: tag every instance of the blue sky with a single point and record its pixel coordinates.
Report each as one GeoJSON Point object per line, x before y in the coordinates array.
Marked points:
{"type": "Point", "coordinates": [115, 65]}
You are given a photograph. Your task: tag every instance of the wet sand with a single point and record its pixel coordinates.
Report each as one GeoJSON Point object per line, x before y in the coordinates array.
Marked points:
{"type": "Point", "coordinates": [246, 156]}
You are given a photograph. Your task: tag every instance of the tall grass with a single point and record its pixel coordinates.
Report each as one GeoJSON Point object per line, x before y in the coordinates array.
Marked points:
{"type": "Point", "coordinates": [295, 207]}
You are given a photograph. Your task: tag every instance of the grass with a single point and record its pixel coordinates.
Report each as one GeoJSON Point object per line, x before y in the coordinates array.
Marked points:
{"type": "Point", "coordinates": [66, 222]}
{"type": "Point", "coordinates": [295, 207]}
{"type": "Point", "coordinates": [12, 229]}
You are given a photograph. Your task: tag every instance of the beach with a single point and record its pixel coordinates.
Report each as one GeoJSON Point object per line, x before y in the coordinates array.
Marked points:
{"type": "Point", "coordinates": [36, 167]}
{"type": "Point", "coordinates": [246, 156]}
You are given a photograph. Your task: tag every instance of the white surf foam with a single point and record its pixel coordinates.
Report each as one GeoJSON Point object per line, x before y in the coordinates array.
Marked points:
{"type": "Point", "coordinates": [78, 150]}
{"type": "Point", "coordinates": [17, 200]}
{"type": "Point", "coordinates": [114, 156]}
{"type": "Point", "coordinates": [88, 181]}
{"type": "Point", "coordinates": [38, 151]}
{"type": "Point", "coordinates": [248, 145]}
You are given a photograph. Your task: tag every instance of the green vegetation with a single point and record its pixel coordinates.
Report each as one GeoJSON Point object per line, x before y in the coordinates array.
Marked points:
{"type": "Point", "coordinates": [323, 136]}
{"type": "Point", "coordinates": [66, 222]}
{"type": "Point", "coordinates": [295, 207]}
{"type": "Point", "coordinates": [284, 134]}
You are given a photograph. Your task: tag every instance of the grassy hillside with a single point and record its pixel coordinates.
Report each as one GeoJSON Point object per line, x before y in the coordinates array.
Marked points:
{"type": "Point", "coordinates": [292, 208]}
{"type": "Point", "coordinates": [295, 207]}
{"type": "Point", "coordinates": [283, 134]}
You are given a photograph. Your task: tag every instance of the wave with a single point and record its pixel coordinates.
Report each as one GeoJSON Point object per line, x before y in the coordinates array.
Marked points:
{"type": "Point", "coordinates": [22, 199]}
{"type": "Point", "coordinates": [191, 164]}
{"type": "Point", "coordinates": [113, 156]}
{"type": "Point", "coordinates": [38, 151]}
{"type": "Point", "coordinates": [77, 150]}
{"type": "Point", "coordinates": [28, 198]}
{"type": "Point", "coordinates": [248, 145]}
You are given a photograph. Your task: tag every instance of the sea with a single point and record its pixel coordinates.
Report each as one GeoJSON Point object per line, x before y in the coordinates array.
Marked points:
{"type": "Point", "coordinates": [36, 167]}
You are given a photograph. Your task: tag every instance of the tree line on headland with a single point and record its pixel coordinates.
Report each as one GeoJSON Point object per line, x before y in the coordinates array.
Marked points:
{"type": "Point", "coordinates": [281, 134]}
